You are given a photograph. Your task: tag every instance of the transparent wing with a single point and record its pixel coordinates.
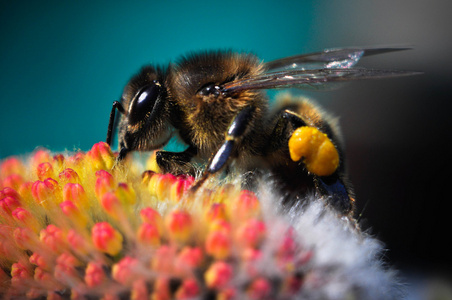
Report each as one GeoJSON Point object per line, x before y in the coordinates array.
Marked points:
{"type": "Point", "coordinates": [338, 58]}
{"type": "Point", "coordinates": [308, 78]}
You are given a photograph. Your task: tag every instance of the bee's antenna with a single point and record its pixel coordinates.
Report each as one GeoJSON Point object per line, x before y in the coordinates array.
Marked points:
{"type": "Point", "coordinates": [116, 105]}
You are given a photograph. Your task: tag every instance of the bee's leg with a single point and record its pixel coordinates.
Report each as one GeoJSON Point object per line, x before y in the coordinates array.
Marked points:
{"type": "Point", "coordinates": [335, 187]}
{"type": "Point", "coordinates": [235, 132]}
{"type": "Point", "coordinates": [176, 162]}
{"type": "Point", "coordinates": [116, 106]}
{"type": "Point", "coordinates": [281, 131]}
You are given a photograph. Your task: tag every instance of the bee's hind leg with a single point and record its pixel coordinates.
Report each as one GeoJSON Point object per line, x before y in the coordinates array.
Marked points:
{"type": "Point", "coordinates": [235, 132]}
{"type": "Point", "coordinates": [334, 186]}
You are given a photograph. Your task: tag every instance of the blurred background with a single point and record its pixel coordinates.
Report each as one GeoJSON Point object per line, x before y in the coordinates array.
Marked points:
{"type": "Point", "coordinates": [64, 63]}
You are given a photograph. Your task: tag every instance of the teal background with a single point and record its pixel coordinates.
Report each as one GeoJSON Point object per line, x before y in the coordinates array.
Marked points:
{"type": "Point", "coordinates": [63, 63]}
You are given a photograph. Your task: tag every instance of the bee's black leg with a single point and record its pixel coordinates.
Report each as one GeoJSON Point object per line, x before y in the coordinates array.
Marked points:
{"type": "Point", "coordinates": [176, 162]}
{"type": "Point", "coordinates": [235, 132]}
{"type": "Point", "coordinates": [116, 105]}
{"type": "Point", "coordinates": [122, 154]}
{"type": "Point", "coordinates": [334, 188]}
{"type": "Point", "coordinates": [281, 131]}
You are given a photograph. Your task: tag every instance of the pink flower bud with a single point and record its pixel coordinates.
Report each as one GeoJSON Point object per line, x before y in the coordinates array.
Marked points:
{"type": "Point", "coordinates": [106, 239]}
{"type": "Point", "coordinates": [13, 181]}
{"type": "Point", "coordinates": [189, 289]}
{"type": "Point", "coordinates": [218, 275]}
{"type": "Point", "coordinates": [148, 234]}
{"type": "Point", "coordinates": [101, 157]}
{"type": "Point", "coordinates": [44, 192]}
{"type": "Point", "coordinates": [45, 170]}
{"type": "Point", "coordinates": [125, 271]}
{"type": "Point", "coordinates": [68, 176]}
{"type": "Point", "coordinates": [104, 183]}
{"type": "Point", "coordinates": [26, 219]}
{"type": "Point", "coordinates": [53, 237]}
{"type": "Point", "coordinates": [218, 244]}
{"type": "Point", "coordinates": [94, 274]}
{"type": "Point", "coordinates": [180, 225]}
{"type": "Point", "coordinates": [74, 192]}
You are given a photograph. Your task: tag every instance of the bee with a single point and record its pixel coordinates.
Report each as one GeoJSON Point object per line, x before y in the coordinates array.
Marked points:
{"type": "Point", "coordinates": [216, 103]}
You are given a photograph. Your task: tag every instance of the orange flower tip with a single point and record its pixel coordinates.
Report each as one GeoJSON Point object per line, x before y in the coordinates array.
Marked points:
{"type": "Point", "coordinates": [139, 290]}
{"type": "Point", "coordinates": [220, 225]}
{"type": "Point", "coordinates": [9, 192]}
{"type": "Point", "coordinates": [189, 289]}
{"type": "Point", "coordinates": [148, 234]}
{"type": "Point", "coordinates": [40, 261]}
{"type": "Point", "coordinates": [43, 191]}
{"type": "Point", "coordinates": [76, 159]}
{"type": "Point", "coordinates": [320, 155]}
{"type": "Point", "coordinates": [215, 212]}
{"type": "Point", "coordinates": [146, 176]}
{"type": "Point", "coordinates": [190, 257]}
{"type": "Point", "coordinates": [111, 204]}
{"type": "Point", "coordinates": [218, 244]}
{"type": "Point", "coordinates": [246, 205]}
{"type": "Point", "coordinates": [106, 238]}
{"type": "Point", "coordinates": [163, 186]}
{"type": "Point", "coordinates": [218, 275]}
{"type": "Point", "coordinates": [101, 156]}
{"type": "Point", "coordinates": [40, 156]}
{"type": "Point", "coordinates": [94, 274]}
{"type": "Point", "coordinates": [163, 260]}
{"type": "Point", "coordinates": [74, 192]}
{"type": "Point", "coordinates": [161, 289]}
{"type": "Point", "coordinates": [105, 182]}
{"type": "Point", "coordinates": [8, 205]}
{"type": "Point", "coordinates": [25, 218]}
{"type": "Point", "coordinates": [260, 288]}
{"type": "Point", "coordinates": [251, 254]}
{"type": "Point", "coordinates": [66, 265]}
{"type": "Point", "coordinates": [77, 242]}
{"type": "Point", "coordinates": [53, 237]}
{"type": "Point", "coordinates": [25, 189]}
{"type": "Point", "coordinates": [180, 187]}
{"type": "Point", "coordinates": [69, 176]}
{"type": "Point", "coordinates": [11, 165]}
{"type": "Point", "coordinates": [251, 233]}
{"type": "Point", "coordinates": [13, 181]}
{"type": "Point", "coordinates": [45, 170]}
{"type": "Point", "coordinates": [73, 213]}
{"type": "Point", "coordinates": [125, 271]}
{"type": "Point", "coordinates": [25, 238]}
{"type": "Point", "coordinates": [42, 275]}
{"type": "Point", "coordinates": [19, 273]}
{"type": "Point", "coordinates": [227, 294]}
{"type": "Point", "coordinates": [151, 216]}
{"type": "Point", "coordinates": [126, 193]}
{"type": "Point", "coordinates": [179, 225]}
{"type": "Point", "coordinates": [58, 159]}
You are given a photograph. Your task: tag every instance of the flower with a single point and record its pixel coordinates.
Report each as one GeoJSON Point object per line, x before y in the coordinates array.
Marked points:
{"type": "Point", "coordinates": [74, 225]}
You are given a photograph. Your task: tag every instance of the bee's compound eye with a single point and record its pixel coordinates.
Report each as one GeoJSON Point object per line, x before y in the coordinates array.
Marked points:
{"type": "Point", "coordinates": [144, 101]}
{"type": "Point", "coordinates": [210, 89]}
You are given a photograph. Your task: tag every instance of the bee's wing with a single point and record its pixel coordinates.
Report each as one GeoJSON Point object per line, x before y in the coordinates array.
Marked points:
{"type": "Point", "coordinates": [338, 58]}
{"type": "Point", "coordinates": [309, 79]}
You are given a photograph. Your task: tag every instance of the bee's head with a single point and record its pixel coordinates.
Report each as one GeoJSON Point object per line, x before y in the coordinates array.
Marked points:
{"type": "Point", "coordinates": [145, 124]}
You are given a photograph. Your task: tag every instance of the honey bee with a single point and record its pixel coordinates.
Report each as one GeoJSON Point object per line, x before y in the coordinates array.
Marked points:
{"type": "Point", "coordinates": [215, 102]}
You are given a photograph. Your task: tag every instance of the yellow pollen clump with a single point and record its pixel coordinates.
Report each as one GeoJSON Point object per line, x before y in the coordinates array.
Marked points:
{"type": "Point", "coordinates": [315, 148]}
